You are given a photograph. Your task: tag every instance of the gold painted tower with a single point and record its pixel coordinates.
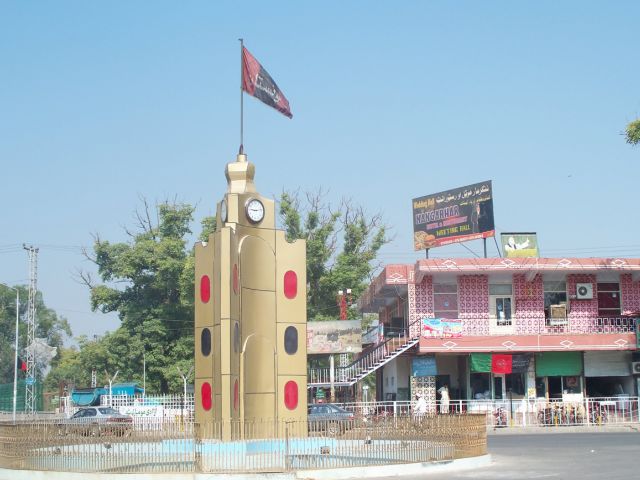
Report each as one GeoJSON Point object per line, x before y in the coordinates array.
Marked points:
{"type": "Point", "coordinates": [250, 313]}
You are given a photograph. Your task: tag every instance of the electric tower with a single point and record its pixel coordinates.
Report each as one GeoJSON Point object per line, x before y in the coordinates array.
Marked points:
{"type": "Point", "coordinates": [30, 383]}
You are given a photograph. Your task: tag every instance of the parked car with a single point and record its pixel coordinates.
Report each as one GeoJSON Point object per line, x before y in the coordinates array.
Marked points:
{"type": "Point", "coordinates": [329, 418]}
{"type": "Point", "coordinates": [96, 421]}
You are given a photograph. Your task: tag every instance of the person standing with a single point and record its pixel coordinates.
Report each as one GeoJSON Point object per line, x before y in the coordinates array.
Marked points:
{"type": "Point", "coordinates": [444, 399]}
{"type": "Point", "coordinates": [420, 408]}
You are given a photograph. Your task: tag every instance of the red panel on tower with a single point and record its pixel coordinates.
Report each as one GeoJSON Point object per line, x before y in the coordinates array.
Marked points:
{"type": "Point", "coordinates": [291, 395]}
{"type": "Point", "coordinates": [290, 284]}
{"type": "Point", "coordinates": [205, 288]}
{"type": "Point", "coordinates": [205, 395]}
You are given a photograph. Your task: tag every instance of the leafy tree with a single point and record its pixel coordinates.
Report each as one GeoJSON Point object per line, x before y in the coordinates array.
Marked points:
{"type": "Point", "coordinates": [632, 132]}
{"type": "Point", "coordinates": [148, 281]}
{"type": "Point", "coordinates": [342, 246]}
{"type": "Point", "coordinates": [49, 326]}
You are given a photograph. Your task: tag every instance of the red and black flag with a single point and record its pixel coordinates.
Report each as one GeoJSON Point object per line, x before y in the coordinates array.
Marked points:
{"type": "Point", "coordinates": [22, 365]}
{"type": "Point", "coordinates": [258, 83]}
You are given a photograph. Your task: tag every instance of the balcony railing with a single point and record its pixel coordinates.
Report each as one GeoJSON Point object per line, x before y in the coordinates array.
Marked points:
{"type": "Point", "coordinates": [539, 325]}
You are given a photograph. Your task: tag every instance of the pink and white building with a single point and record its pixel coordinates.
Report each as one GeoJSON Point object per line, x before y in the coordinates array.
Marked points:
{"type": "Point", "coordinates": [571, 320]}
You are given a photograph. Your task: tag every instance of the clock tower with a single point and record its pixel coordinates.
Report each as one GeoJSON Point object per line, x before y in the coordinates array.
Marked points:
{"type": "Point", "coordinates": [250, 314]}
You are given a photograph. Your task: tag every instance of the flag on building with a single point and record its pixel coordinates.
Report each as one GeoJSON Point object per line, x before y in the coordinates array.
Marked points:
{"type": "Point", "coordinates": [501, 363]}
{"type": "Point", "coordinates": [258, 83]}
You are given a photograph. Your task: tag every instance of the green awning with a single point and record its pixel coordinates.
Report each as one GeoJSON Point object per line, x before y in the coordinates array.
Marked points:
{"type": "Point", "coordinates": [558, 364]}
{"type": "Point", "coordinates": [480, 362]}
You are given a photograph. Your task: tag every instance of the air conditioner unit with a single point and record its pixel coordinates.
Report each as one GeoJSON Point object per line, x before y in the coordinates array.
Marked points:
{"type": "Point", "coordinates": [635, 367]}
{"type": "Point", "coordinates": [584, 291]}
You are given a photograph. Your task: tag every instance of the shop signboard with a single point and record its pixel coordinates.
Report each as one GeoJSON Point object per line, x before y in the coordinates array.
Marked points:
{"type": "Point", "coordinates": [334, 336]}
{"type": "Point", "coordinates": [637, 333]}
{"type": "Point", "coordinates": [441, 328]}
{"type": "Point", "coordinates": [519, 245]}
{"type": "Point", "coordinates": [453, 216]}
{"type": "Point", "coordinates": [424, 366]}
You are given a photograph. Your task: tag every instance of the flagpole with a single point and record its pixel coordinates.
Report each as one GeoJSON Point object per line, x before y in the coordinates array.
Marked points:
{"type": "Point", "coordinates": [241, 100]}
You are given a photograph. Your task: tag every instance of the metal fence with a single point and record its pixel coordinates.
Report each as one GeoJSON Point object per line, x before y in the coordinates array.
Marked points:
{"type": "Point", "coordinates": [235, 447]}
{"type": "Point", "coordinates": [605, 411]}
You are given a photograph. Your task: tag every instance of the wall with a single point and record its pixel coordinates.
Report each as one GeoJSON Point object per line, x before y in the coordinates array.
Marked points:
{"type": "Point", "coordinates": [630, 293]}
{"type": "Point", "coordinates": [529, 304]}
{"type": "Point", "coordinates": [473, 304]}
{"type": "Point", "coordinates": [420, 302]}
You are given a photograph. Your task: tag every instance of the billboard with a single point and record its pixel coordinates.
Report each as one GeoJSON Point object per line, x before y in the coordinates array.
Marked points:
{"type": "Point", "coordinates": [441, 328]}
{"type": "Point", "coordinates": [519, 245]}
{"type": "Point", "coordinates": [453, 216]}
{"type": "Point", "coordinates": [334, 336]}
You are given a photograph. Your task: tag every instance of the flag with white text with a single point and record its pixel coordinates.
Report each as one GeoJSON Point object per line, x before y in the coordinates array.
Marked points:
{"type": "Point", "coordinates": [258, 83]}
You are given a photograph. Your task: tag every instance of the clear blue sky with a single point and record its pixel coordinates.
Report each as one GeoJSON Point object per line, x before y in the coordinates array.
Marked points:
{"type": "Point", "coordinates": [103, 103]}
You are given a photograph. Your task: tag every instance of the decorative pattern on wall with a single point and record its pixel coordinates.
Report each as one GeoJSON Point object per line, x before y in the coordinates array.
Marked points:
{"type": "Point", "coordinates": [473, 304]}
{"type": "Point", "coordinates": [420, 303]}
{"type": "Point", "coordinates": [630, 293]}
{"type": "Point", "coordinates": [426, 386]}
{"type": "Point", "coordinates": [529, 302]}
{"type": "Point", "coordinates": [582, 313]}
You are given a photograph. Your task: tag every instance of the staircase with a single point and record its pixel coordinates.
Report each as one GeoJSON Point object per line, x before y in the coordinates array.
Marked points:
{"type": "Point", "coordinates": [369, 361]}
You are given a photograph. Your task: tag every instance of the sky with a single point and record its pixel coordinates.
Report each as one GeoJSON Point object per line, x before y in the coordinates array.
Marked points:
{"type": "Point", "coordinates": [105, 103]}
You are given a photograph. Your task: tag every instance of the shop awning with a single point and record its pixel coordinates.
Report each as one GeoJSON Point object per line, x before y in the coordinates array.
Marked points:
{"type": "Point", "coordinates": [607, 364]}
{"type": "Point", "coordinates": [558, 364]}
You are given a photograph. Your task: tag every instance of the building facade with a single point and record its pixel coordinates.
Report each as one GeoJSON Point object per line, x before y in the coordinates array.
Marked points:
{"type": "Point", "coordinates": [494, 328]}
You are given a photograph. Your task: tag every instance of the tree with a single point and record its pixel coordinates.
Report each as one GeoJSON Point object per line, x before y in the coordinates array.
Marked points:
{"type": "Point", "coordinates": [53, 328]}
{"type": "Point", "coordinates": [342, 247]}
{"type": "Point", "coordinates": [148, 281]}
{"type": "Point", "coordinates": [632, 133]}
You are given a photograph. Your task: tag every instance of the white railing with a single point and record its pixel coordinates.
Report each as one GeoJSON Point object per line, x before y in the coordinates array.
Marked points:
{"type": "Point", "coordinates": [606, 411]}
{"type": "Point", "coordinates": [572, 324]}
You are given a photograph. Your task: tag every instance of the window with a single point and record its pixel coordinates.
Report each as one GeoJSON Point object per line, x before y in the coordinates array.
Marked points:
{"type": "Point", "coordinates": [480, 386]}
{"type": "Point", "coordinates": [500, 303]}
{"type": "Point", "coordinates": [445, 300]}
{"type": "Point", "coordinates": [608, 300]}
{"type": "Point", "coordinates": [555, 302]}
{"type": "Point", "coordinates": [515, 383]}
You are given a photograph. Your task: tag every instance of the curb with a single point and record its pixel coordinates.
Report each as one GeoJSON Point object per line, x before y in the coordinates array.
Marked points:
{"type": "Point", "coordinates": [562, 429]}
{"type": "Point", "coordinates": [398, 470]}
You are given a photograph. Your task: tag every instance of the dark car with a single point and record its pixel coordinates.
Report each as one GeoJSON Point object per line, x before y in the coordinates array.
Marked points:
{"type": "Point", "coordinates": [329, 418]}
{"type": "Point", "coordinates": [97, 421]}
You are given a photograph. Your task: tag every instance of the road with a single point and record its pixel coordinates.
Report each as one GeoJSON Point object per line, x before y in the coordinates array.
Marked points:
{"type": "Point", "coordinates": [584, 456]}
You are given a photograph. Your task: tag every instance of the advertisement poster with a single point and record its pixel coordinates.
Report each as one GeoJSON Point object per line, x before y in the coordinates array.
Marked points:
{"type": "Point", "coordinates": [441, 328]}
{"type": "Point", "coordinates": [519, 245]}
{"type": "Point", "coordinates": [335, 336]}
{"type": "Point", "coordinates": [453, 216]}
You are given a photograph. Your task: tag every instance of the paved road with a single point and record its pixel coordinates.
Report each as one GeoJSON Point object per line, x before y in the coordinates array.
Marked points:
{"type": "Point", "coordinates": [583, 456]}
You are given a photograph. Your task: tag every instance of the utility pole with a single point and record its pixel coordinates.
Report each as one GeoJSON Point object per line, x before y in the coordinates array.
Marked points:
{"type": "Point", "coordinates": [185, 378]}
{"type": "Point", "coordinates": [111, 380]}
{"type": "Point", "coordinates": [30, 383]}
{"type": "Point", "coordinates": [15, 360]}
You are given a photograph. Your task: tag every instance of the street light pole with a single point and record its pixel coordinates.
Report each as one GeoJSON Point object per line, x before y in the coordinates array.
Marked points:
{"type": "Point", "coordinates": [15, 360]}
{"type": "Point", "coordinates": [184, 394]}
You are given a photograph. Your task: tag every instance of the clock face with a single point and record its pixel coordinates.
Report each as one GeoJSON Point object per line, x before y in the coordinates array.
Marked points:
{"type": "Point", "coordinates": [223, 210]}
{"type": "Point", "coordinates": [255, 210]}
